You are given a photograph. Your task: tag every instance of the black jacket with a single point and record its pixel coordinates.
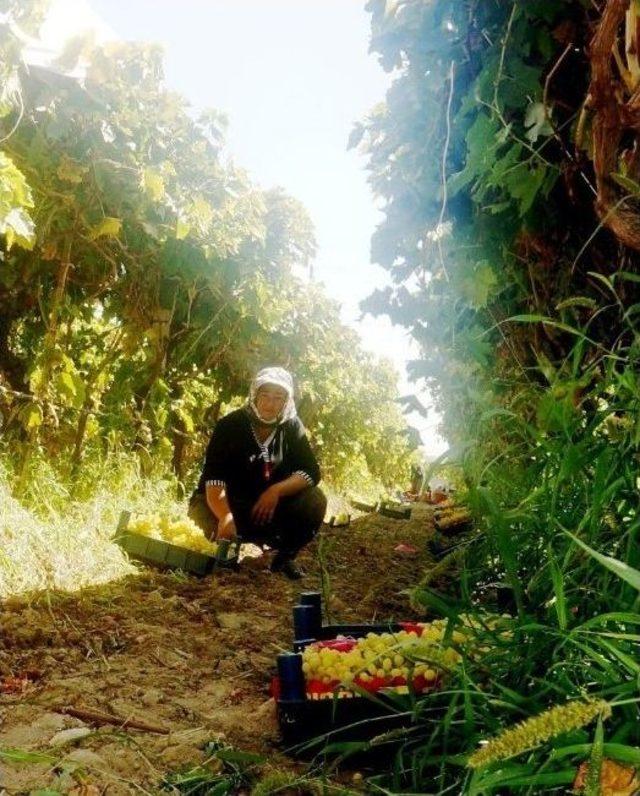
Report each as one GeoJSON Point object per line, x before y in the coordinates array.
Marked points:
{"type": "Point", "coordinates": [246, 468]}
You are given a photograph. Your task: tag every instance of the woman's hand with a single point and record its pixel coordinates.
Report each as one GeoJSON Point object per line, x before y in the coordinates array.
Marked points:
{"type": "Point", "coordinates": [265, 506]}
{"type": "Point", "coordinates": [226, 527]}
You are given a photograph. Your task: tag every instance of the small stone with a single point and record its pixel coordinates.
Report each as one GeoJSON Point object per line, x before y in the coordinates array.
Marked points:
{"type": "Point", "coordinates": [85, 757]}
{"type": "Point", "coordinates": [69, 736]}
{"type": "Point", "coordinates": [181, 755]}
{"type": "Point", "coordinates": [151, 697]}
{"type": "Point", "coordinates": [231, 621]}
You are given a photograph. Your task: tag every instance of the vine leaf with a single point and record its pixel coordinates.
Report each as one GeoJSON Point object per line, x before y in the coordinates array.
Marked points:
{"type": "Point", "coordinates": [536, 121]}
{"type": "Point", "coordinates": [109, 227]}
{"type": "Point", "coordinates": [153, 185]}
{"type": "Point", "coordinates": [477, 286]}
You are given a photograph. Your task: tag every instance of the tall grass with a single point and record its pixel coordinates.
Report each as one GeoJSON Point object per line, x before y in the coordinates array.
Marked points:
{"type": "Point", "coordinates": [53, 539]}
{"type": "Point", "coordinates": [553, 482]}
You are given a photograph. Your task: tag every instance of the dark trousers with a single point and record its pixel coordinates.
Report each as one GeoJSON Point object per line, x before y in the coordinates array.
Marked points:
{"type": "Point", "coordinates": [295, 522]}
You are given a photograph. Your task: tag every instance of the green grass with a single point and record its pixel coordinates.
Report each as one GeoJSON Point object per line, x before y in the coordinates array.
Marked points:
{"type": "Point", "coordinates": [554, 488]}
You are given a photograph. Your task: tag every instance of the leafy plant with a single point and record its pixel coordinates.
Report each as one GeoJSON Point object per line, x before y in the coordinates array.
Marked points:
{"type": "Point", "coordinates": [225, 771]}
{"type": "Point", "coordinates": [520, 288]}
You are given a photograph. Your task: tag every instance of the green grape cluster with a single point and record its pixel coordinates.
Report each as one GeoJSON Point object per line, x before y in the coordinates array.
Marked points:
{"type": "Point", "coordinates": [389, 657]}
{"type": "Point", "coordinates": [182, 532]}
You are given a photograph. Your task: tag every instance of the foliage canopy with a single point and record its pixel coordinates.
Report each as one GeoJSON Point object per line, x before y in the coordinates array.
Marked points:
{"type": "Point", "coordinates": [144, 277]}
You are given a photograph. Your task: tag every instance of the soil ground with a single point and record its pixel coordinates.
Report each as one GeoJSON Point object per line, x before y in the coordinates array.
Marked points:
{"type": "Point", "coordinates": [193, 656]}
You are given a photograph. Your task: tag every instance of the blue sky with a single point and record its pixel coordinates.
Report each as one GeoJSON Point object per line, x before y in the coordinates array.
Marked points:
{"type": "Point", "coordinates": [293, 76]}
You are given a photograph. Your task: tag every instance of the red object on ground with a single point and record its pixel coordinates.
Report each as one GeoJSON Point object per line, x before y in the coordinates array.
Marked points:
{"type": "Point", "coordinates": [275, 688]}
{"type": "Point", "coordinates": [20, 683]}
{"type": "Point", "coordinates": [405, 548]}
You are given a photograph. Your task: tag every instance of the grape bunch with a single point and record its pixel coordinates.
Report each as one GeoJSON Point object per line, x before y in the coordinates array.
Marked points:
{"type": "Point", "coordinates": [182, 532]}
{"type": "Point", "coordinates": [415, 658]}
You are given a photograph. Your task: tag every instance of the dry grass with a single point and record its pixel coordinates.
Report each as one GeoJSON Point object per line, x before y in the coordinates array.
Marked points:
{"type": "Point", "coordinates": [50, 541]}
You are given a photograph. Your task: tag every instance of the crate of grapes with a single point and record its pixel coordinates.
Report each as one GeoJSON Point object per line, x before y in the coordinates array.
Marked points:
{"type": "Point", "coordinates": [177, 544]}
{"type": "Point", "coordinates": [340, 675]}
{"type": "Point", "coordinates": [395, 510]}
{"type": "Point", "coordinates": [452, 521]}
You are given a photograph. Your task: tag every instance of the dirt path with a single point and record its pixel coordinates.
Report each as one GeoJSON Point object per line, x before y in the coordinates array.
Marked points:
{"type": "Point", "coordinates": [193, 656]}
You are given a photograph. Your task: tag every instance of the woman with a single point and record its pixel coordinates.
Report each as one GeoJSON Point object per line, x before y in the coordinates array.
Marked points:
{"type": "Point", "coordinates": [260, 475]}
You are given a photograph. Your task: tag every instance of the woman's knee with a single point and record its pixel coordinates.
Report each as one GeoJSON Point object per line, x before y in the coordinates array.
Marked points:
{"type": "Point", "coordinates": [319, 502]}
{"type": "Point", "coordinates": [309, 506]}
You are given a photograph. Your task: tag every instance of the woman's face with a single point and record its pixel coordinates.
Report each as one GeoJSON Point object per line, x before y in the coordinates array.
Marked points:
{"type": "Point", "coordinates": [270, 401]}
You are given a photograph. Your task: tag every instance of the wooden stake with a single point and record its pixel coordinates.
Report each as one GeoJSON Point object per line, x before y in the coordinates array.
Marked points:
{"type": "Point", "coordinates": [98, 717]}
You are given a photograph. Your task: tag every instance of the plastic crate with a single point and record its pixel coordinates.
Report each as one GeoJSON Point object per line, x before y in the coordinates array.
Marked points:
{"type": "Point", "coordinates": [303, 718]}
{"type": "Point", "coordinates": [452, 525]}
{"type": "Point", "coordinates": [395, 513]}
{"type": "Point", "coordinates": [349, 718]}
{"type": "Point", "coordinates": [170, 556]}
{"type": "Point", "coordinates": [308, 627]}
{"type": "Point", "coordinates": [361, 506]}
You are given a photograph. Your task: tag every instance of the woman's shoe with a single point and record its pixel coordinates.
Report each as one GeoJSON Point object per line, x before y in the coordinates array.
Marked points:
{"type": "Point", "coordinates": [283, 563]}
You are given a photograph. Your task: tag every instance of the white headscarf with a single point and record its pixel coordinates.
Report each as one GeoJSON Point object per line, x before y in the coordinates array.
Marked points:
{"type": "Point", "coordinates": [281, 378]}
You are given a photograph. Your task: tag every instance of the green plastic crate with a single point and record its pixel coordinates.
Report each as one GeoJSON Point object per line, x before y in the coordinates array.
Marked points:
{"type": "Point", "coordinates": [170, 556]}
{"type": "Point", "coordinates": [403, 513]}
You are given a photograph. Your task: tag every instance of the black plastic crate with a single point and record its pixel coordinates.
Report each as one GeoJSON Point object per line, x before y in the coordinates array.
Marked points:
{"type": "Point", "coordinates": [340, 719]}
{"type": "Point", "coordinates": [170, 556]}
{"type": "Point", "coordinates": [308, 626]}
{"type": "Point", "coordinates": [305, 717]}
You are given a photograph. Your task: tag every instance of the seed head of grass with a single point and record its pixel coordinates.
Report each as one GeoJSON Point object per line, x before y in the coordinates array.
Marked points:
{"type": "Point", "coordinates": [538, 729]}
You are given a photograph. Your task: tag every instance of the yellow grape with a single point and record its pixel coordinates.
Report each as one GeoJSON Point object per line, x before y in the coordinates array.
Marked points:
{"type": "Point", "coordinates": [183, 532]}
